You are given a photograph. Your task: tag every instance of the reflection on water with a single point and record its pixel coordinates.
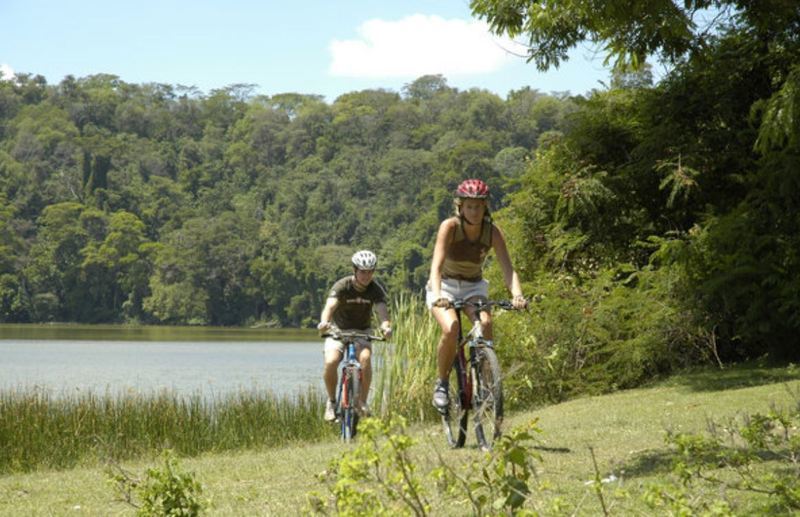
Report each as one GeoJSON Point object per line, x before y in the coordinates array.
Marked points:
{"type": "Point", "coordinates": [113, 365]}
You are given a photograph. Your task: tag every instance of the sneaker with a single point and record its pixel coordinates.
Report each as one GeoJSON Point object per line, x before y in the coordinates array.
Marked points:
{"type": "Point", "coordinates": [440, 398]}
{"type": "Point", "coordinates": [330, 411]}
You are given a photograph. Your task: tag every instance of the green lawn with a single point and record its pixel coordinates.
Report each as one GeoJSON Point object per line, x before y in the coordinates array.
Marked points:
{"type": "Point", "coordinates": [625, 430]}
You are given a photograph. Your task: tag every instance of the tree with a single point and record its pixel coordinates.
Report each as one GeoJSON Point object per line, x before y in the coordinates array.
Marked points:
{"type": "Point", "coordinates": [629, 32]}
{"type": "Point", "coordinates": [426, 87]}
{"type": "Point", "coordinates": [702, 168]}
{"type": "Point", "coordinates": [202, 272]}
{"type": "Point", "coordinates": [54, 266]}
{"type": "Point", "coordinates": [119, 266]}
{"type": "Point", "coordinates": [12, 306]}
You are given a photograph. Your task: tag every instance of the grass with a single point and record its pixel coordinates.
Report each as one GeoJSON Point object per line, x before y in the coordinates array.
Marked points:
{"type": "Point", "coordinates": [625, 430]}
{"type": "Point", "coordinates": [406, 368]}
{"type": "Point", "coordinates": [39, 431]}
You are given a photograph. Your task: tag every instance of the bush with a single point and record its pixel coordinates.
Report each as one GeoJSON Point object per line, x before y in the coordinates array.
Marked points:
{"type": "Point", "coordinates": [614, 329]}
{"type": "Point", "coordinates": [167, 490]}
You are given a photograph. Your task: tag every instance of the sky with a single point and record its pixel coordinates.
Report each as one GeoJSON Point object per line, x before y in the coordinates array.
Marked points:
{"type": "Point", "coordinates": [322, 47]}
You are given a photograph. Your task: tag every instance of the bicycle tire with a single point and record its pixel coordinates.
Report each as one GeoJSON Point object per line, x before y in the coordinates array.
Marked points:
{"type": "Point", "coordinates": [487, 399]}
{"type": "Point", "coordinates": [454, 420]}
{"type": "Point", "coordinates": [349, 404]}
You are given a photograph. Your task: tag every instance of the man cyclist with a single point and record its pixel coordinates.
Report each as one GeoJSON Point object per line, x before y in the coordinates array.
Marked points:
{"type": "Point", "coordinates": [349, 306]}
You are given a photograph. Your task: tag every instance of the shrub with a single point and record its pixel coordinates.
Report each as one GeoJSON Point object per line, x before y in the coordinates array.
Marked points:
{"type": "Point", "coordinates": [165, 490]}
{"type": "Point", "coordinates": [614, 329]}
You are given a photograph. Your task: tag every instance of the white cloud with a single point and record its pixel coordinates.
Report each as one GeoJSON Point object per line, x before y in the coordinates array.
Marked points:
{"type": "Point", "coordinates": [419, 45]}
{"type": "Point", "coordinates": [7, 72]}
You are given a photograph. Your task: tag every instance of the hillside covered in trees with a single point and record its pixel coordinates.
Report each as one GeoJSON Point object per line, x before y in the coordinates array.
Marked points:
{"type": "Point", "coordinates": [151, 203]}
{"type": "Point", "coordinates": [660, 222]}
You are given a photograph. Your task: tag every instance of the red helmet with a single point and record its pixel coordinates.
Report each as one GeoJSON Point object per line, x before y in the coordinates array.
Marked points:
{"type": "Point", "coordinates": [473, 188]}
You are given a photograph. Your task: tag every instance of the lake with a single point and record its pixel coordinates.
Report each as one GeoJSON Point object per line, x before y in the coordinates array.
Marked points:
{"type": "Point", "coordinates": [70, 359]}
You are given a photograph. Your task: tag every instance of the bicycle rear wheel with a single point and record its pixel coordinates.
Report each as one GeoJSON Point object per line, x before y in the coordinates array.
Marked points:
{"type": "Point", "coordinates": [454, 420]}
{"type": "Point", "coordinates": [487, 401]}
{"type": "Point", "coordinates": [348, 404]}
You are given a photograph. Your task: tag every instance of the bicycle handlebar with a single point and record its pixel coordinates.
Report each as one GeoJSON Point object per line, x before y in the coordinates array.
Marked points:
{"type": "Point", "coordinates": [481, 305]}
{"type": "Point", "coordinates": [344, 335]}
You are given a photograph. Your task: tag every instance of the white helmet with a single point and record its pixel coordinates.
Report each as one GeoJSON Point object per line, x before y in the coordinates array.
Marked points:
{"type": "Point", "coordinates": [364, 259]}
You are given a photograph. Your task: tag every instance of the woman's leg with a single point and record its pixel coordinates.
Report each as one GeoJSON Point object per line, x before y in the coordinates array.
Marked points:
{"type": "Point", "coordinates": [486, 320]}
{"type": "Point", "coordinates": [486, 324]}
{"type": "Point", "coordinates": [446, 350]}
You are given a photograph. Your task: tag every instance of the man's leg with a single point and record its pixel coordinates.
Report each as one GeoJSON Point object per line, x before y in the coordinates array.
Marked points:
{"type": "Point", "coordinates": [365, 358]}
{"type": "Point", "coordinates": [333, 356]}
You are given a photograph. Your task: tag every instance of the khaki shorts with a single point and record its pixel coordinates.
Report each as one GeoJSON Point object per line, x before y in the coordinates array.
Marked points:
{"type": "Point", "coordinates": [458, 290]}
{"type": "Point", "coordinates": [336, 345]}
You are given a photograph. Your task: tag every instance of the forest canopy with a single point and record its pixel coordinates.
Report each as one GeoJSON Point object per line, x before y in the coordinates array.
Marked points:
{"type": "Point", "coordinates": [152, 203]}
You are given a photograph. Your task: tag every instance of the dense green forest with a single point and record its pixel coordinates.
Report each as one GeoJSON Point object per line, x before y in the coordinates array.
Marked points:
{"type": "Point", "coordinates": [150, 203]}
{"type": "Point", "coordinates": [659, 221]}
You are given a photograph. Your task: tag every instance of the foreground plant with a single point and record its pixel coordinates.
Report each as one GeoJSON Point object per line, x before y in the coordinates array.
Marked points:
{"type": "Point", "coordinates": [164, 490]}
{"type": "Point", "coordinates": [377, 477]}
{"type": "Point", "coordinates": [380, 477]}
{"type": "Point", "coordinates": [758, 457]}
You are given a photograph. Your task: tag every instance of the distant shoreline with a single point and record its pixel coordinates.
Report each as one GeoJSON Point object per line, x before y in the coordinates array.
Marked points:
{"type": "Point", "coordinates": [126, 332]}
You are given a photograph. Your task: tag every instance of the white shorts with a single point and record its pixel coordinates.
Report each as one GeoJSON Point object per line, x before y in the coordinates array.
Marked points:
{"type": "Point", "coordinates": [336, 345]}
{"type": "Point", "coordinates": [458, 290]}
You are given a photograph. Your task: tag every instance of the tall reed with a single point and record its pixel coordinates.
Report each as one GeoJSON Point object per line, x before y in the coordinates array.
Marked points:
{"type": "Point", "coordinates": [405, 368]}
{"type": "Point", "coordinates": [38, 430]}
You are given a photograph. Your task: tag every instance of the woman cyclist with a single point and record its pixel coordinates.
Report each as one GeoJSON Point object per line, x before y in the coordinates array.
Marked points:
{"type": "Point", "coordinates": [462, 243]}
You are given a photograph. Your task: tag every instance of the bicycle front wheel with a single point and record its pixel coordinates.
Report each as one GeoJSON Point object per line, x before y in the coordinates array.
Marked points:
{"type": "Point", "coordinates": [455, 418]}
{"type": "Point", "coordinates": [487, 401]}
{"type": "Point", "coordinates": [349, 404]}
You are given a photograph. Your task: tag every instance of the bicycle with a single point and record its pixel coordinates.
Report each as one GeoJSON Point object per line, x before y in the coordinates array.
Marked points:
{"type": "Point", "coordinates": [477, 384]}
{"type": "Point", "coordinates": [349, 387]}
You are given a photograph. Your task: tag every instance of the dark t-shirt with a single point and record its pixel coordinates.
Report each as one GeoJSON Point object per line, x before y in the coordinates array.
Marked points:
{"type": "Point", "coordinates": [355, 307]}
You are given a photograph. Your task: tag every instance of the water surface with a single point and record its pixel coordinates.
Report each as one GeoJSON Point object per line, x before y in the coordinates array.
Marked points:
{"type": "Point", "coordinates": [65, 360]}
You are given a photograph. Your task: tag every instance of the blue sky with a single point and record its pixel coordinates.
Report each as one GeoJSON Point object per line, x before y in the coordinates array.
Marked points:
{"type": "Point", "coordinates": [315, 47]}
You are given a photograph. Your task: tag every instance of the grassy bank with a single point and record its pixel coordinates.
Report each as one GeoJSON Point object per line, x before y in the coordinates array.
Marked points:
{"type": "Point", "coordinates": [625, 430]}
{"type": "Point", "coordinates": [39, 430]}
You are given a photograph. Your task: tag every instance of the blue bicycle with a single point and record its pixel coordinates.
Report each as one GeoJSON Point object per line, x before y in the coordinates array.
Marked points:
{"type": "Point", "coordinates": [349, 387]}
